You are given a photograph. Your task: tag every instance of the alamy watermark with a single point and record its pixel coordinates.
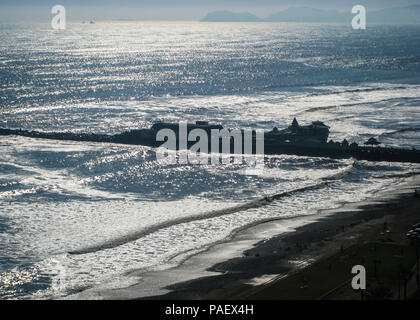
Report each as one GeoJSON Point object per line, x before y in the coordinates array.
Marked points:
{"type": "Point", "coordinates": [359, 20]}
{"type": "Point", "coordinates": [58, 21]}
{"type": "Point", "coordinates": [193, 146]}
{"type": "Point", "coordinates": [358, 282]}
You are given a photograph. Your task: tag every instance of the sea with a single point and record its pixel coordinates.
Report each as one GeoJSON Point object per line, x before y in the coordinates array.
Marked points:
{"type": "Point", "coordinates": [80, 215]}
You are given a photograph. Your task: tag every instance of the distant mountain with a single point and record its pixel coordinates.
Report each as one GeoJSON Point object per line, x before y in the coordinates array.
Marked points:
{"type": "Point", "coordinates": [410, 14]}
{"type": "Point", "coordinates": [306, 14]}
{"type": "Point", "coordinates": [229, 16]}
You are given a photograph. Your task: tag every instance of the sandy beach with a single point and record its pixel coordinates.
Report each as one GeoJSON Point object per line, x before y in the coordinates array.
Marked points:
{"type": "Point", "coordinates": [256, 262]}
{"type": "Point", "coordinates": [258, 274]}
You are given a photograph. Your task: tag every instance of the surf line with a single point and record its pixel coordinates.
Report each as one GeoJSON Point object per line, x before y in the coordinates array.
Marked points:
{"type": "Point", "coordinates": [258, 203]}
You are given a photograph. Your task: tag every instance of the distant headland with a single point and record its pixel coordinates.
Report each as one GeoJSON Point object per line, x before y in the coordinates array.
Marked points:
{"type": "Point", "coordinates": [405, 15]}
{"type": "Point", "coordinates": [229, 16]}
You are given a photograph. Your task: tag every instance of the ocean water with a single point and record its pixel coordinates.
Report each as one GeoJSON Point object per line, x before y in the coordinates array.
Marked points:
{"type": "Point", "coordinates": [77, 215]}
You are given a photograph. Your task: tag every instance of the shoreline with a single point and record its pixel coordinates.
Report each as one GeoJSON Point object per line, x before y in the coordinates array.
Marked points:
{"type": "Point", "coordinates": [265, 253]}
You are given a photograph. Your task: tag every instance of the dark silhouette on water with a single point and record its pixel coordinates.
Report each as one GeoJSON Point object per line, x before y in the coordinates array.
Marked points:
{"type": "Point", "coordinates": [309, 140]}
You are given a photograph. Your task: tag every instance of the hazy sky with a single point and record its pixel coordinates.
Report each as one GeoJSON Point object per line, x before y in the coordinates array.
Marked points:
{"type": "Point", "coordinates": [170, 9]}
